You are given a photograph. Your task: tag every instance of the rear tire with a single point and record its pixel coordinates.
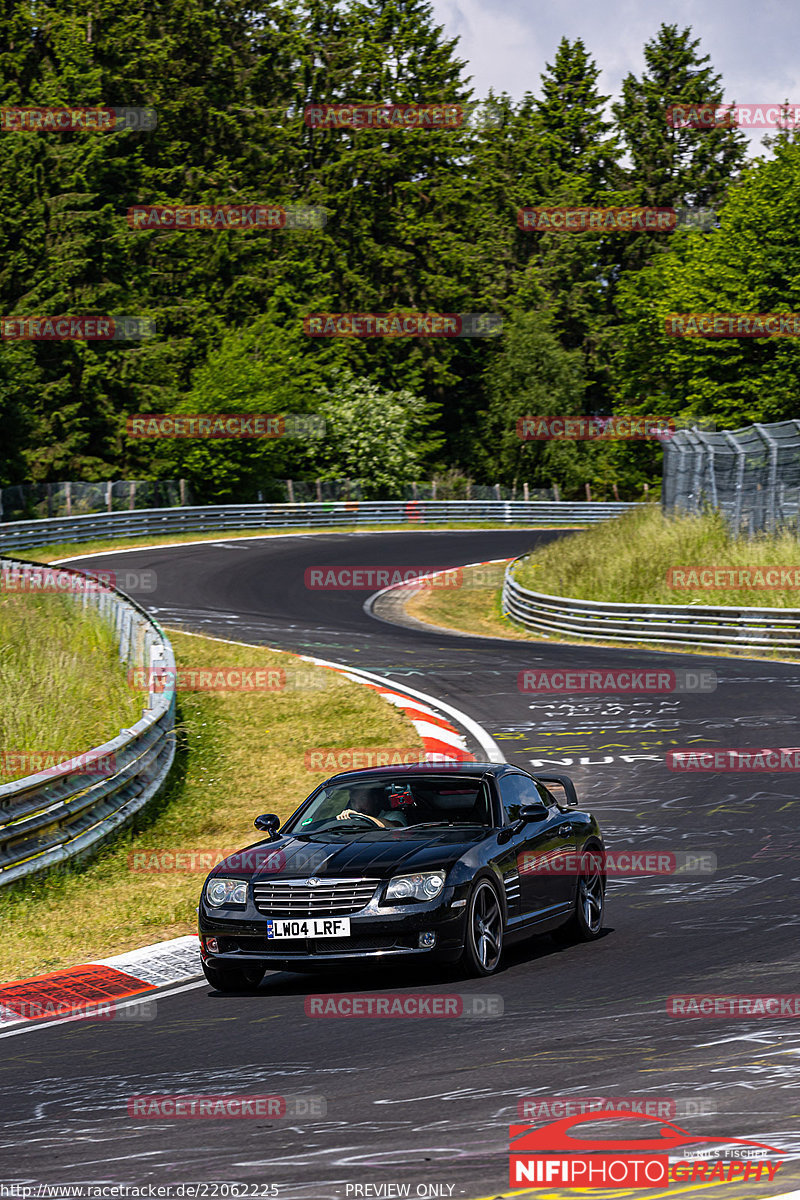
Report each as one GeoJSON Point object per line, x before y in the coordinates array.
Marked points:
{"type": "Point", "coordinates": [483, 939]}
{"type": "Point", "coordinates": [234, 977]}
{"type": "Point", "coordinates": [586, 922]}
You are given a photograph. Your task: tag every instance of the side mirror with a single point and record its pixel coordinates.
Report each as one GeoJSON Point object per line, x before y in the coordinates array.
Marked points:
{"type": "Point", "coordinates": [534, 812]}
{"type": "Point", "coordinates": [269, 823]}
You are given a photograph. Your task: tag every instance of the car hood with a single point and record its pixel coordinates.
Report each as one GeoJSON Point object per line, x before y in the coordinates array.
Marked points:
{"type": "Point", "coordinates": [380, 853]}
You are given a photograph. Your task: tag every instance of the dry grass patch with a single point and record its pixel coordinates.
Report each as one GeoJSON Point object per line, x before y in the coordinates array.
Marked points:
{"type": "Point", "coordinates": [472, 608]}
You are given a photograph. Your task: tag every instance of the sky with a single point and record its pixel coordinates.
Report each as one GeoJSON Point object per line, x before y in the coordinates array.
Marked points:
{"type": "Point", "coordinates": [506, 43]}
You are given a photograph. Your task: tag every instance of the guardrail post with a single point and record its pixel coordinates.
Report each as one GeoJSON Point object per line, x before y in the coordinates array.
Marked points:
{"type": "Point", "coordinates": [155, 681]}
{"type": "Point", "coordinates": [125, 636]}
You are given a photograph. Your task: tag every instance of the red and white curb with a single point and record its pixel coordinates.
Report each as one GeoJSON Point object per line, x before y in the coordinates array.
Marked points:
{"type": "Point", "coordinates": [402, 592]}
{"type": "Point", "coordinates": [104, 988]}
{"type": "Point", "coordinates": [93, 990]}
{"type": "Point", "coordinates": [439, 735]}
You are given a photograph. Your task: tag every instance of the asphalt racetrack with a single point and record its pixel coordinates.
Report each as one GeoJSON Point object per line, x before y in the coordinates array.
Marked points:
{"type": "Point", "coordinates": [429, 1101]}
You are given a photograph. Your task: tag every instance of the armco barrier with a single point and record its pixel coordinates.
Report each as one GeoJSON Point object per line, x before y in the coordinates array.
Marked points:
{"type": "Point", "coordinates": [152, 522]}
{"type": "Point", "coordinates": [683, 624]}
{"type": "Point", "coordinates": [60, 814]}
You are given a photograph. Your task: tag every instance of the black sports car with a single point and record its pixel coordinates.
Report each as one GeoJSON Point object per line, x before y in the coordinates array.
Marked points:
{"type": "Point", "coordinates": [434, 862]}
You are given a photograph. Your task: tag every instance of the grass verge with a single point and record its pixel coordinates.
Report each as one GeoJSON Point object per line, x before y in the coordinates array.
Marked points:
{"type": "Point", "coordinates": [628, 559]}
{"type": "Point", "coordinates": [239, 754]}
{"type": "Point", "coordinates": [472, 608]}
{"type": "Point", "coordinates": [62, 686]}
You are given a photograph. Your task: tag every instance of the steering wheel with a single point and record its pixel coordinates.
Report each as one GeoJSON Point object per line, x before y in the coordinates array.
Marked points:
{"type": "Point", "coordinates": [348, 814]}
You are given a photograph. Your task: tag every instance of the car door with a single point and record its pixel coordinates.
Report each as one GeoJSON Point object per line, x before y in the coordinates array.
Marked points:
{"type": "Point", "coordinates": [537, 844]}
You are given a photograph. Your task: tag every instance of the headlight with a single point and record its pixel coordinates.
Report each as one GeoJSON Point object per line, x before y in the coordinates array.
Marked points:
{"type": "Point", "coordinates": [226, 891]}
{"type": "Point", "coordinates": [425, 886]}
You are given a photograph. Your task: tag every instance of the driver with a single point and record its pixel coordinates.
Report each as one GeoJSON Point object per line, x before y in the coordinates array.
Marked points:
{"type": "Point", "coordinates": [371, 802]}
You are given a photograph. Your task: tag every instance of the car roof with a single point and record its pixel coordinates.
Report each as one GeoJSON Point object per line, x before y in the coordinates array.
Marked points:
{"type": "Point", "coordinates": [432, 768]}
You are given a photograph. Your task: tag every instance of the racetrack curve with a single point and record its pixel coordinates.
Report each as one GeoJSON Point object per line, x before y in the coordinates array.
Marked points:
{"type": "Point", "coordinates": [429, 1101]}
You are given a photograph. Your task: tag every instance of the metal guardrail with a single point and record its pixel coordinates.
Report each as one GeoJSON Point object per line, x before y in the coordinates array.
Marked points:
{"type": "Point", "coordinates": [689, 624]}
{"type": "Point", "coordinates": [19, 535]}
{"type": "Point", "coordinates": [68, 810]}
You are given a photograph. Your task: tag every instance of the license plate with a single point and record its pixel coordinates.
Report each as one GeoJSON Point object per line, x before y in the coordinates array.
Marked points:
{"type": "Point", "coordinates": [312, 927]}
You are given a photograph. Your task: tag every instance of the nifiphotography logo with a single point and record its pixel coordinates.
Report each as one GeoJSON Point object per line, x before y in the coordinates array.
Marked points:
{"type": "Point", "coordinates": [553, 1155]}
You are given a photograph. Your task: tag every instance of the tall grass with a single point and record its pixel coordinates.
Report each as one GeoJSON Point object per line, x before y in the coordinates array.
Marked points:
{"type": "Point", "coordinates": [627, 559]}
{"type": "Point", "coordinates": [63, 689]}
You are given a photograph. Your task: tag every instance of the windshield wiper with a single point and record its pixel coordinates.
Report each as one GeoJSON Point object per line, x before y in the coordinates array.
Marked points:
{"type": "Point", "coordinates": [448, 824]}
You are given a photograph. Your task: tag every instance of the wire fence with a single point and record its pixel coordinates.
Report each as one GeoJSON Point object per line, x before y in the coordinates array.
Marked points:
{"type": "Point", "coordinates": [750, 475]}
{"type": "Point", "coordinates": [32, 501]}
{"type": "Point", "coordinates": [304, 491]}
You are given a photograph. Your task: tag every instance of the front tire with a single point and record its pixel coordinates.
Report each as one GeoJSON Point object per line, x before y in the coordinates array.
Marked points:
{"type": "Point", "coordinates": [234, 977]}
{"type": "Point", "coordinates": [586, 922]}
{"type": "Point", "coordinates": [483, 940]}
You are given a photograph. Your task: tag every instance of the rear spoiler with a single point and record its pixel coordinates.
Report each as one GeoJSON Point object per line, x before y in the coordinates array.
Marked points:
{"type": "Point", "coordinates": [563, 781]}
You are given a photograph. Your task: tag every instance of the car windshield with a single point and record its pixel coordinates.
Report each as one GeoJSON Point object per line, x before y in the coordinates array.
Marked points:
{"type": "Point", "coordinates": [395, 803]}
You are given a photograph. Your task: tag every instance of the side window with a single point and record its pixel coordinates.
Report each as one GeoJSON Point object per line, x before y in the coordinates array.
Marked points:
{"type": "Point", "coordinates": [547, 796]}
{"type": "Point", "coordinates": [516, 790]}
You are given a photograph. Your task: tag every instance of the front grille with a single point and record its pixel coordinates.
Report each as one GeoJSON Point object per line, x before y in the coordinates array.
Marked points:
{"type": "Point", "coordinates": [355, 944]}
{"type": "Point", "coordinates": [330, 898]}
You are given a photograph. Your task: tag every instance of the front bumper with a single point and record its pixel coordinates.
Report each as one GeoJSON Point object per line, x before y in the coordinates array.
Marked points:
{"type": "Point", "coordinates": [377, 934]}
